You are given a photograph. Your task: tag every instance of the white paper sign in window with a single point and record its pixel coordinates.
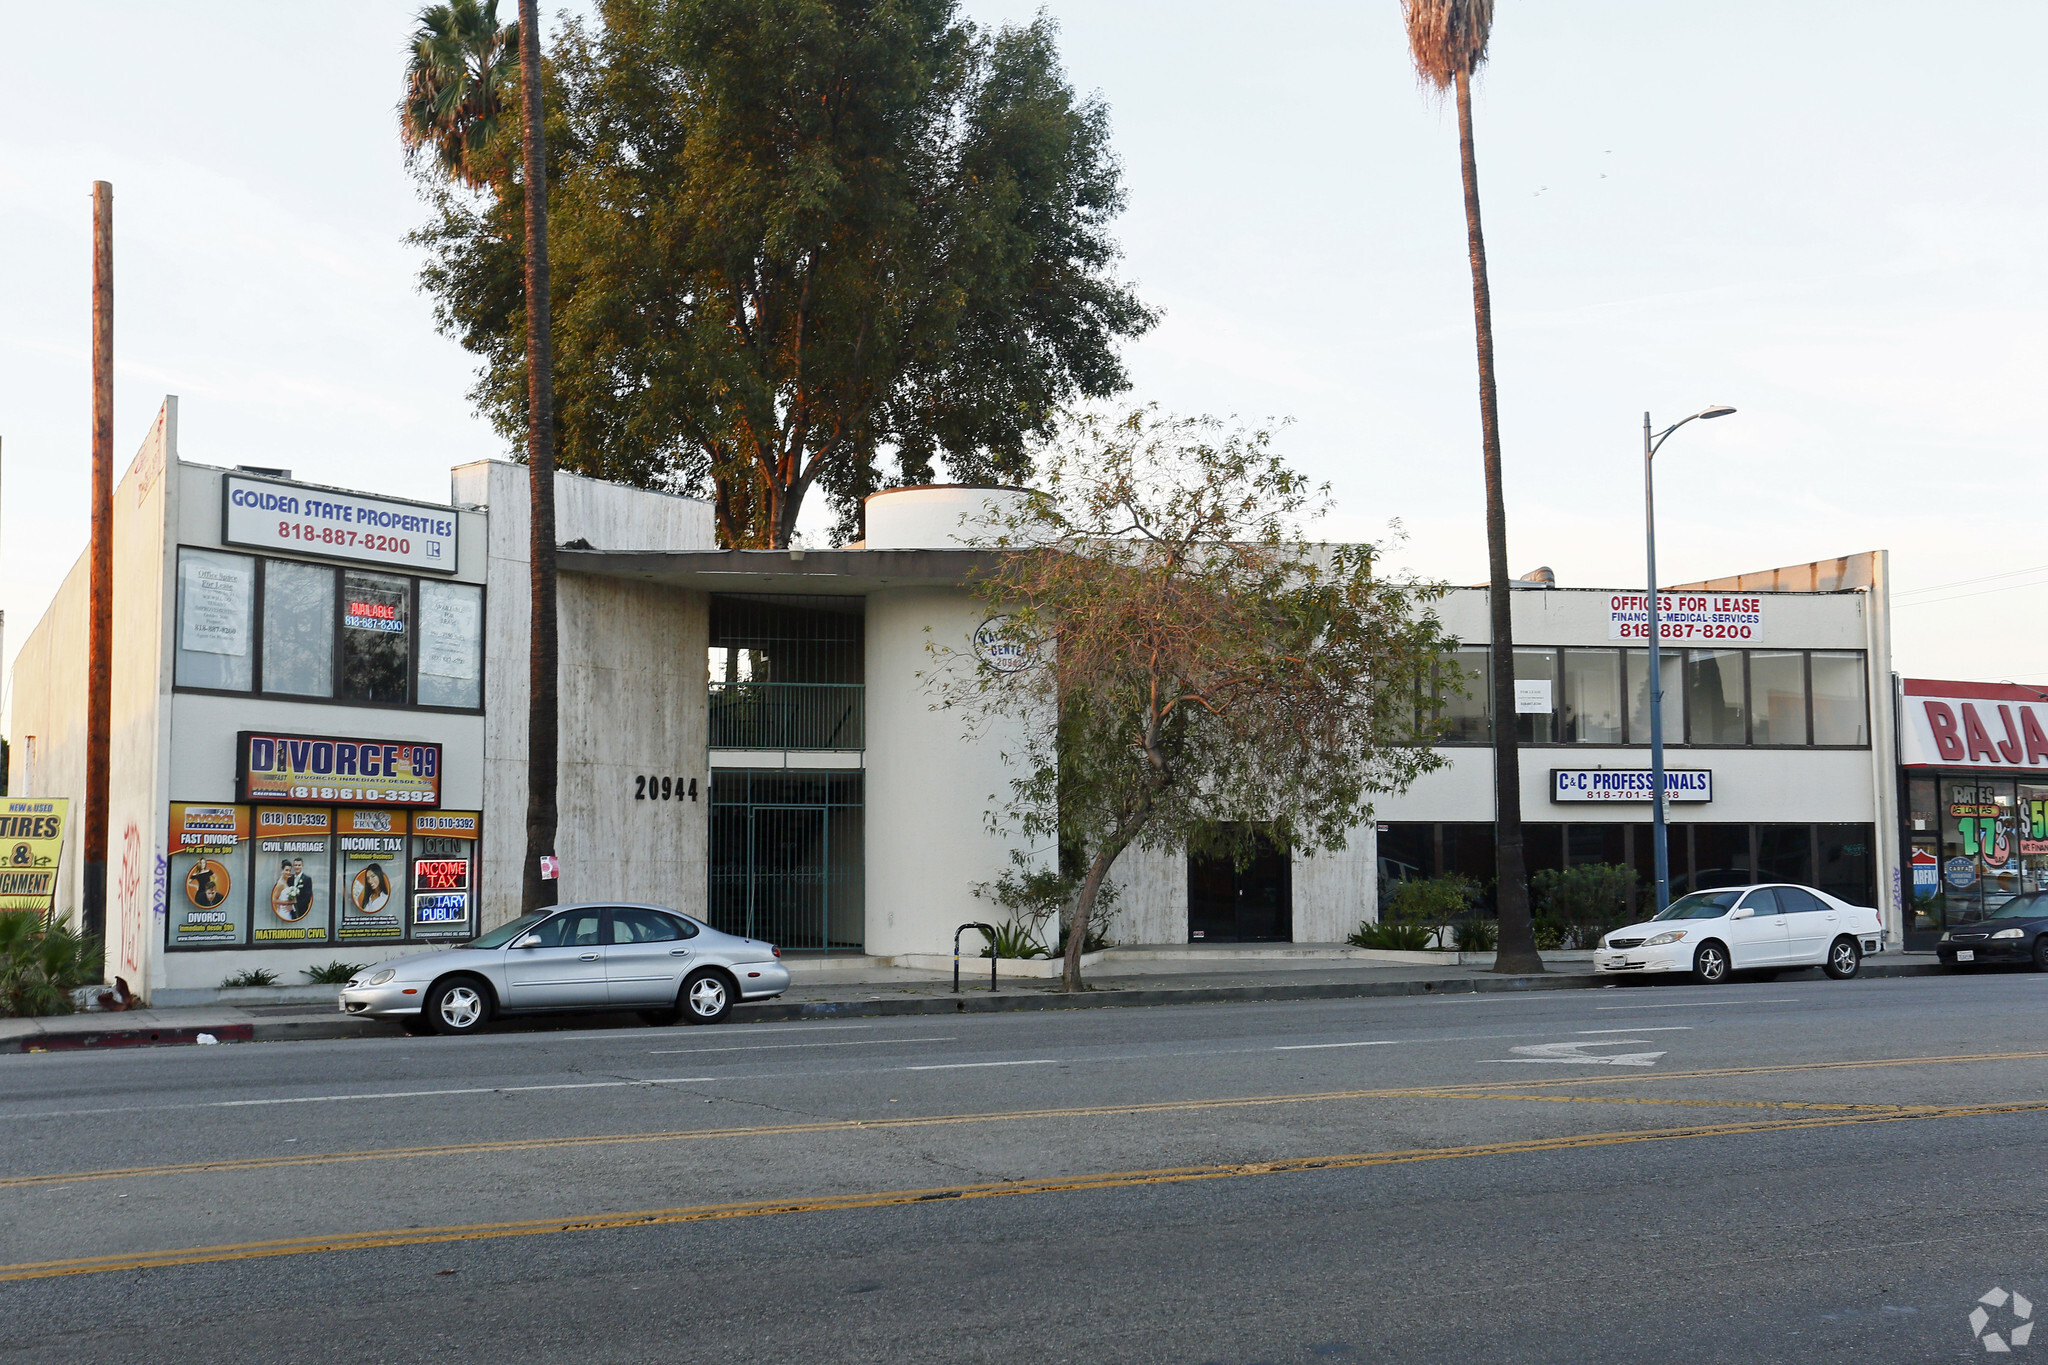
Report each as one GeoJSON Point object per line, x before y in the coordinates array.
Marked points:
{"type": "Point", "coordinates": [1532, 697]}
{"type": "Point", "coordinates": [451, 644]}
{"type": "Point", "coordinates": [214, 610]}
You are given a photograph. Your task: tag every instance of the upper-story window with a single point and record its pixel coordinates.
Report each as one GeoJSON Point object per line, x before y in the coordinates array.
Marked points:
{"type": "Point", "coordinates": [1719, 698]}
{"type": "Point", "coordinates": [283, 628]}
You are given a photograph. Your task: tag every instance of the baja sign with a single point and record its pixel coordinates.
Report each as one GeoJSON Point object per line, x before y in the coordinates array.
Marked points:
{"type": "Point", "coordinates": [1973, 725]}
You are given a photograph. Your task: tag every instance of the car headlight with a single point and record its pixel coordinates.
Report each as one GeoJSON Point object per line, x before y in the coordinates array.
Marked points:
{"type": "Point", "coordinates": [1668, 936]}
{"type": "Point", "coordinates": [2010, 933]}
{"type": "Point", "coordinates": [382, 977]}
{"type": "Point", "coordinates": [1944, 936]}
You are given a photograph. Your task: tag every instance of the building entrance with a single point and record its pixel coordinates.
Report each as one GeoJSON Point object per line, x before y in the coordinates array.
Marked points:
{"type": "Point", "coordinates": [786, 857]}
{"type": "Point", "coordinates": [1252, 904]}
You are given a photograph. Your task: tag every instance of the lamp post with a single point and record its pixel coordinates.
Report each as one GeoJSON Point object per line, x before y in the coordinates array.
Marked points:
{"type": "Point", "coordinates": [1660, 838]}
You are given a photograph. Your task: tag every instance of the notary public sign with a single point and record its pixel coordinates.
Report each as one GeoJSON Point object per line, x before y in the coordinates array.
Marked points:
{"type": "Point", "coordinates": [268, 514]}
{"type": "Point", "coordinates": [1629, 784]}
{"type": "Point", "coordinates": [1973, 725]}
{"type": "Point", "coordinates": [325, 769]}
{"type": "Point", "coordinates": [1686, 616]}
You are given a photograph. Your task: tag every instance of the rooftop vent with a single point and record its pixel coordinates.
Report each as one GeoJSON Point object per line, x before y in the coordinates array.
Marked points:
{"type": "Point", "coordinates": [1537, 578]}
{"type": "Point", "coordinates": [263, 471]}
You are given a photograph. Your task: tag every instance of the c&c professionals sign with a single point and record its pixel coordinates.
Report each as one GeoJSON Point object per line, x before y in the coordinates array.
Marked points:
{"type": "Point", "coordinates": [1629, 784]}
{"type": "Point", "coordinates": [275, 769]}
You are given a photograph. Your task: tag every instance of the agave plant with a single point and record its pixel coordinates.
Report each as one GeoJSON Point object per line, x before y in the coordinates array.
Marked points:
{"type": "Point", "coordinates": [40, 964]}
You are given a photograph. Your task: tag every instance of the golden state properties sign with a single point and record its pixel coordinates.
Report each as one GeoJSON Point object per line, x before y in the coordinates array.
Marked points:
{"type": "Point", "coordinates": [274, 769]}
{"type": "Point", "coordinates": [31, 841]}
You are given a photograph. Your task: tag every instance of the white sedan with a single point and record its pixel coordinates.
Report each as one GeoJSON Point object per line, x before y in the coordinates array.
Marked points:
{"type": "Point", "coordinates": [1746, 928]}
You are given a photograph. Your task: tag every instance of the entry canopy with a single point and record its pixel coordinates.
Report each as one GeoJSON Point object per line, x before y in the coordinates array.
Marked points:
{"type": "Point", "coordinates": [851, 573]}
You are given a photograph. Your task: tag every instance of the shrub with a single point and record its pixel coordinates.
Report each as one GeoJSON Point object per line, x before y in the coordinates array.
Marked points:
{"type": "Point", "coordinates": [1037, 897]}
{"type": "Point", "coordinates": [253, 976]}
{"type": "Point", "coordinates": [1478, 934]}
{"type": "Point", "coordinates": [1432, 900]}
{"type": "Point", "coordinates": [333, 974]}
{"type": "Point", "coordinates": [1015, 940]}
{"type": "Point", "coordinates": [1581, 903]}
{"type": "Point", "coordinates": [1392, 936]}
{"type": "Point", "coordinates": [40, 964]}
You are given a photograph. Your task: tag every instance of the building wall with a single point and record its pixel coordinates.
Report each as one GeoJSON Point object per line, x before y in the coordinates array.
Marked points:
{"type": "Point", "coordinates": [47, 731]}
{"type": "Point", "coordinates": [632, 689]}
{"type": "Point", "coordinates": [931, 787]}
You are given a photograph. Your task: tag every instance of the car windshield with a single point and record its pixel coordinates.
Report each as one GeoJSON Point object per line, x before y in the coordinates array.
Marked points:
{"type": "Point", "coordinates": [505, 933]}
{"type": "Point", "coordinates": [2022, 907]}
{"type": "Point", "coordinates": [1702, 905]}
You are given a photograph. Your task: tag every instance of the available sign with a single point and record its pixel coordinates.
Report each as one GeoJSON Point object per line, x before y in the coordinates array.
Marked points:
{"type": "Point", "coordinates": [31, 842]}
{"type": "Point", "coordinates": [317, 768]}
{"type": "Point", "coordinates": [1629, 784]}
{"type": "Point", "coordinates": [1973, 725]}
{"type": "Point", "coordinates": [271, 515]}
{"type": "Point", "coordinates": [1686, 616]}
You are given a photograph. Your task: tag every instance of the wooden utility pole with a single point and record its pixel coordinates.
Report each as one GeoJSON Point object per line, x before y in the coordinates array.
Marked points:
{"type": "Point", "coordinates": [99, 674]}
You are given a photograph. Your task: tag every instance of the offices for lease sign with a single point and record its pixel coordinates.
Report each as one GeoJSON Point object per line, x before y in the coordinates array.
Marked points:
{"type": "Point", "coordinates": [271, 515]}
{"type": "Point", "coordinates": [1686, 616]}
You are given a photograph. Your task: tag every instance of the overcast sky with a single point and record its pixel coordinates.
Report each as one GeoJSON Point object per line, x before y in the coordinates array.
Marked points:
{"type": "Point", "coordinates": [1828, 213]}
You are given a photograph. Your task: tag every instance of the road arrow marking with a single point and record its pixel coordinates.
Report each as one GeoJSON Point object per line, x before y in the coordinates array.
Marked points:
{"type": "Point", "coordinates": [1575, 1053]}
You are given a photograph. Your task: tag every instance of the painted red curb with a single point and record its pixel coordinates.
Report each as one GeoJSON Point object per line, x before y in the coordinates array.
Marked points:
{"type": "Point", "coordinates": [135, 1037]}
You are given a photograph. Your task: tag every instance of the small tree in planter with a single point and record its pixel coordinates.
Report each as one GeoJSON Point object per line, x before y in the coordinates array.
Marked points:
{"type": "Point", "coordinates": [1581, 903]}
{"type": "Point", "coordinates": [1195, 670]}
{"type": "Point", "coordinates": [1438, 903]}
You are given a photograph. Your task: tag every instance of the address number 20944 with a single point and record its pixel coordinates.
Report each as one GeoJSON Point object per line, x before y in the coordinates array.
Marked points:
{"type": "Point", "coordinates": [647, 788]}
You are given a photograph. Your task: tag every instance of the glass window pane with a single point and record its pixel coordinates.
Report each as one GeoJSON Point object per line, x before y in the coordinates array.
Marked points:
{"type": "Point", "coordinates": [293, 876]}
{"type": "Point", "coordinates": [1542, 848]}
{"type": "Point", "coordinates": [1669, 663]}
{"type": "Point", "coordinates": [1537, 665]}
{"type": "Point", "coordinates": [1595, 844]}
{"type": "Point", "coordinates": [631, 925]}
{"type": "Point", "coordinates": [1846, 858]}
{"type": "Point", "coordinates": [1592, 696]}
{"type": "Point", "coordinates": [1469, 852]}
{"type": "Point", "coordinates": [1777, 696]}
{"type": "Point", "coordinates": [1406, 853]}
{"type": "Point", "coordinates": [1713, 686]}
{"type": "Point", "coordinates": [1720, 855]}
{"type": "Point", "coordinates": [1784, 853]}
{"type": "Point", "coordinates": [1463, 719]}
{"type": "Point", "coordinates": [451, 644]}
{"type": "Point", "coordinates": [1678, 847]}
{"type": "Point", "coordinates": [298, 629]}
{"type": "Point", "coordinates": [374, 619]}
{"type": "Point", "coordinates": [1840, 713]}
{"type": "Point", "coordinates": [216, 620]}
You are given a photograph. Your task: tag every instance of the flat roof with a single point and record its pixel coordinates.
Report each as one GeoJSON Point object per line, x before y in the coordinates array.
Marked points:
{"type": "Point", "coordinates": [849, 573]}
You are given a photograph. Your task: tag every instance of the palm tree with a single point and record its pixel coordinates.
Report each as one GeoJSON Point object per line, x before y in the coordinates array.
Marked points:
{"type": "Point", "coordinates": [1447, 39]}
{"type": "Point", "coordinates": [456, 95]}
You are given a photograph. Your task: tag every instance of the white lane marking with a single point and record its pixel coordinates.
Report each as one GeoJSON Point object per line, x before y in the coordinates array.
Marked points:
{"type": "Point", "coordinates": [1662, 1028]}
{"type": "Point", "coordinates": [342, 1099]}
{"type": "Point", "coordinates": [1687, 1004]}
{"type": "Point", "coordinates": [1575, 1054]}
{"type": "Point", "coordinates": [1310, 1047]}
{"type": "Point", "coordinates": [766, 1047]}
{"type": "Point", "coordinates": [962, 1066]}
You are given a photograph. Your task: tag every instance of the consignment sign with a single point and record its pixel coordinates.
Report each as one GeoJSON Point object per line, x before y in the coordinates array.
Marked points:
{"type": "Point", "coordinates": [304, 769]}
{"type": "Point", "coordinates": [31, 844]}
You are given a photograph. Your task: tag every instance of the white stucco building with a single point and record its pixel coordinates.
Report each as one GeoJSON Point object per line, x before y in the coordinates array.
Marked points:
{"type": "Point", "coordinates": [320, 702]}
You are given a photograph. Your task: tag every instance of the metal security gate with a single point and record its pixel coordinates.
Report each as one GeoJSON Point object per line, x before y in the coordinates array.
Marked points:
{"type": "Point", "coordinates": [783, 871]}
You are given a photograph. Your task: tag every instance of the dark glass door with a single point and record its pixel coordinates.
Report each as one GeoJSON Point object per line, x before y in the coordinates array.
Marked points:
{"type": "Point", "coordinates": [1251, 904]}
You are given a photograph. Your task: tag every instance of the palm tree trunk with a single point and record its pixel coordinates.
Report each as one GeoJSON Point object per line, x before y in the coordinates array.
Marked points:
{"type": "Point", "coordinates": [542, 737]}
{"type": "Point", "coordinates": [1517, 948]}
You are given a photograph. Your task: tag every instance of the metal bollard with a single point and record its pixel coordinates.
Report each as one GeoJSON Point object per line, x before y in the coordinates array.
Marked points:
{"type": "Point", "coordinates": [988, 931]}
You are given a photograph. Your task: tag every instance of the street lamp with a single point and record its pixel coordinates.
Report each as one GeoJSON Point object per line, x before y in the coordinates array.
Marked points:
{"type": "Point", "coordinates": [1660, 839]}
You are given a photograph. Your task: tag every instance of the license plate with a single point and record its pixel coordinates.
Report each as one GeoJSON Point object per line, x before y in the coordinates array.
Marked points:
{"type": "Point", "coordinates": [1966, 955]}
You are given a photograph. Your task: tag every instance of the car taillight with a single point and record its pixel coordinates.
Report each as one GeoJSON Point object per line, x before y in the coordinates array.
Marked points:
{"type": "Point", "coordinates": [775, 950]}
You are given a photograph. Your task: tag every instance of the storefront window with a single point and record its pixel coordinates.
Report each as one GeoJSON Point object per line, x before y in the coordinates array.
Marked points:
{"type": "Point", "coordinates": [1592, 696]}
{"type": "Point", "coordinates": [444, 874]}
{"type": "Point", "coordinates": [1784, 853]}
{"type": "Point", "coordinates": [451, 644]}
{"type": "Point", "coordinates": [294, 876]}
{"type": "Point", "coordinates": [1777, 697]}
{"type": "Point", "coordinates": [1847, 855]}
{"type": "Point", "coordinates": [1670, 664]}
{"type": "Point", "coordinates": [1720, 855]}
{"type": "Point", "coordinates": [1923, 805]}
{"type": "Point", "coordinates": [371, 880]}
{"type": "Point", "coordinates": [208, 888]}
{"type": "Point", "coordinates": [298, 629]}
{"type": "Point", "coordinates": [1537, 665]}
{"type": "Point", "coordinates": [216, 621]}
{"type": "Point", "coordinates": [1841, 715]}
{"type": "Point", "coordinates": [1714, 696]}
{"type": "Point", "coordinates": [374, 631]}
{"type": "Point", "coordinates": [1464, 716]}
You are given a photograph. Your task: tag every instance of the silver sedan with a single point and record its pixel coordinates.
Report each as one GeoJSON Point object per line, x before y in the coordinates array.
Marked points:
{"type": "Point", "coordinates": [577, 957]}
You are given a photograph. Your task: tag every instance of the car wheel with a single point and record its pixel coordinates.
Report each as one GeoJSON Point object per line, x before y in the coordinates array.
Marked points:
{"type": "Point", "coordinates": [1710, 963]}
{"type": "Point", "coordinates": [2041, 953]}
{"type": "Point", "coordinates": [1845, 958]}
{"type": "Point", "coordinates": [707, 997]}
{"type": "Point", "coordinates": [459, 1005]}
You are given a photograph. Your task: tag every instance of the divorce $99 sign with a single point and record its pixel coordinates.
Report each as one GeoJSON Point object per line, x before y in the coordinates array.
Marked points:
{"type": "Point", "coordinates": [318, 768]}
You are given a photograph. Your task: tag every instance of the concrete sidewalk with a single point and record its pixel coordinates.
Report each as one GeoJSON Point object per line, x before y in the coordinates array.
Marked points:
{"type": "Point", "coordinates": [829, 989]}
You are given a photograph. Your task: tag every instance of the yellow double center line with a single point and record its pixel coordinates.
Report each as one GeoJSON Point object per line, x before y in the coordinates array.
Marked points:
{"type": "Point", "coordinates": [1107, 1180]}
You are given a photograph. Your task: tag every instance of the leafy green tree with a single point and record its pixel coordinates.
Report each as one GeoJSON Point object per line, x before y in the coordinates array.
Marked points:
{"type": "Point", "coordinates": [803, 243]}
{"type": "Point", "coordinates": [458, 108]}
{"type": "Point", "coordinates": [1447, 39]}
{"type": "Point", "coordinates": [1203, 673]}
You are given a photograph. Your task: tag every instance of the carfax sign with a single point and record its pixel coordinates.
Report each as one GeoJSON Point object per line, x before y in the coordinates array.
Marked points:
{"type": "Point", "coordinates": [269, 515]}
{"type": "Point", "coordinates": [285, 769]}
{"type": "Point", "coordinates": [1629, 784]}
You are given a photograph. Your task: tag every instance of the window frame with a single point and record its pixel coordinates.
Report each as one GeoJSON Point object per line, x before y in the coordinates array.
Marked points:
{"type": "Point", "coordinates": [257, 691]}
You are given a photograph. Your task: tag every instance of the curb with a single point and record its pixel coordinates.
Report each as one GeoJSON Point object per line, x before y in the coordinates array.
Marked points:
{"type": "Point", "coordinates": [968, 1002]}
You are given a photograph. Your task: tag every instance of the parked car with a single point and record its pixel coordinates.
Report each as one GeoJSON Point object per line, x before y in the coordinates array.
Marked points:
{"type": "Point", "coordinates": [1746, 928]}
{"type": "Point", "coordinates": [577, 957]}
{"type": "Point", "coordinates": [2016, 931]}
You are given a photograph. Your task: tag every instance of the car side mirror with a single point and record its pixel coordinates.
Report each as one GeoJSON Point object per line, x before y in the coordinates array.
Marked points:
{"type": "Point", "coordinates": [1741, 912]}
{"type": "Point", "coordinates": [528, 942]}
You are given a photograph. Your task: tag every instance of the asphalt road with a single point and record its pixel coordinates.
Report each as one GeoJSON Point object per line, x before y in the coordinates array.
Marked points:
{"type": "Point", "coordinates": [1799, 1170]}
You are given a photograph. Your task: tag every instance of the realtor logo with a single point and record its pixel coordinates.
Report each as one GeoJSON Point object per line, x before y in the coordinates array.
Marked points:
{"type": "Point", "coordinates": [2018, 1311]}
